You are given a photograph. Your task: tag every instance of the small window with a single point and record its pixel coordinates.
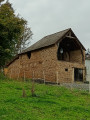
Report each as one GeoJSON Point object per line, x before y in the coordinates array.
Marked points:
{"type": "Point", "coordinates": [29, 54]}
{"type": "Point", "coordinates": [66, 69]}
{"type": "Point", "coordinates": [40, 62]}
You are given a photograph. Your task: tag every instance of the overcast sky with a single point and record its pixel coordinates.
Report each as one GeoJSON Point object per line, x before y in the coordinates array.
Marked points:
{"type": "Point", "coordinates": [49, 16]}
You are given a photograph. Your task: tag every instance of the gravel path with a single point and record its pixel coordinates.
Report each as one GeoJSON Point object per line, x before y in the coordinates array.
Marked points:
{"type": "Point", "coordinates": [81, 86]}
{"type": "Point", "coordinates": [77, 85]}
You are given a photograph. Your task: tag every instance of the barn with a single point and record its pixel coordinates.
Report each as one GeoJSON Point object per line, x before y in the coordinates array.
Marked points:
{"type": "Point", "coordinates": [56, 58]}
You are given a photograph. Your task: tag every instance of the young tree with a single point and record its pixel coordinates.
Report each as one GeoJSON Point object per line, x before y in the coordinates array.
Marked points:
{"type": "Point", "coordinates": [24, 41]}
{"type": "Point", "coordinates": [14, 32]}
{"type": "Point", "coordinates": [88, 51]}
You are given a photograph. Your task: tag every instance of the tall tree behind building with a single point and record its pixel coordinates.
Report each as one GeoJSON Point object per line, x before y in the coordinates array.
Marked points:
{"type": "Point", "coordinates": [14, 33]}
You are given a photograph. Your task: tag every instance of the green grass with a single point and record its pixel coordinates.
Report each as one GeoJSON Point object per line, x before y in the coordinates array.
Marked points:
{"type": "Point", "coordinates": [50, 103]}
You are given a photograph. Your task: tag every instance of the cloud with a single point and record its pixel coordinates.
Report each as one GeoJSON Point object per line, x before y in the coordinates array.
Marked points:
{"type": "Point", "coordinates": [49, 16]}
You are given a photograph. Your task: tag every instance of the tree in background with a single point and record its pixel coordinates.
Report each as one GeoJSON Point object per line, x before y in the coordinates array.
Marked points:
{"type": "Point", "coordinates": [14, 33]}
{"type": "Point", "coordinates": [1, 1]}
{"type": "Point", "coordinates": [88, 51]}
{"type": "Point", "coordinates": [24, 39]}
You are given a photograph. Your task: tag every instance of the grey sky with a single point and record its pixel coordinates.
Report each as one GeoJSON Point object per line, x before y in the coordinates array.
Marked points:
{"type": "Point", "coordinates": [49, 16]}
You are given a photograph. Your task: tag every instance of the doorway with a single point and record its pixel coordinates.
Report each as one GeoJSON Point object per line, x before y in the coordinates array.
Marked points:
{"type": "Point", "coordinates": [78, 74]}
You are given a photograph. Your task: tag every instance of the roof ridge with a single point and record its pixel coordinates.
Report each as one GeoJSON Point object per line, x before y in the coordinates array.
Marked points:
{"type": "Point", "coordinates": [46, 37]}
{"type": "Point", "coordinates": [46, 41]}
{"type": "Point", "coordinates": [56, 33]}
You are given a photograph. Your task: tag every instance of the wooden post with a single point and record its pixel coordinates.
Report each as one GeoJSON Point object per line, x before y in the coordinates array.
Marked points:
{"type": "Point", "coordinates": [23, 90]}
{"type": "Point", "coordinates": [89, 87]}
{"type": "Point", "coordinates": [24, 76]}
{"type": "Point", "coordinates": [23, 93]}
{"type": "Point", "coordinates": [72, 75]}
{"type": "Point", "coordinates": [18, 74]}
{"type": "Point", "coordinates": [71, 86]}
{"type": "Point", "coordinates": [33, 75]}
{"type": "Point", "coordinates": [10, 73]}
{"type": "Point", "coordinates": [57, 76]}
{"type": "Point", "coordinates": [44, 76]}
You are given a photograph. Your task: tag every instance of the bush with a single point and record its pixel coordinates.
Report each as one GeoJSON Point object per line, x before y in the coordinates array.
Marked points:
{"type": "Point", "coordinates": [2, 76]}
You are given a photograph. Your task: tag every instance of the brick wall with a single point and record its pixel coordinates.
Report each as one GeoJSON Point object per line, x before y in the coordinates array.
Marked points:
{"type": "Point", "coordinates": [66, 71]}
{"type": "Point", "coordinates": [14, 69]}
{"type": "Point", "coordinates": [43, 64]}
{"type": "Point", "coordinates": [76, 56]}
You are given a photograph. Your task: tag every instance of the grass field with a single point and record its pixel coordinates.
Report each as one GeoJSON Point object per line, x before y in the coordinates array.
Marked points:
{"type": "Point", "coordinates": [50, 103]}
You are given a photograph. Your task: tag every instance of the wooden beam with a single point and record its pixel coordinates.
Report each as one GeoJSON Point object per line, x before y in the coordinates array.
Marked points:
{"type": "Point", "coordinates": [75, 42]}
{"type": "Point", "coordinates": [82, 55]}
{"type": "Point", "coordinates": [70, 37]}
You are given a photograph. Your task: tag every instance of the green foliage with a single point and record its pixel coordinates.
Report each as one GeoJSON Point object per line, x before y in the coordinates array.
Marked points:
{"type": "Point", "coordinates": [1, 1]}
{"type": "Point", "coordinates": [4, 78]}
{"type": "Point", "coordinates": [50, 103]}
{"type": "Point", "coordinates": [12, 29]}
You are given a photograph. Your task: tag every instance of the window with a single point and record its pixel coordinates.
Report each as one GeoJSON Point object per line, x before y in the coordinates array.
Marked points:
{"type": "Point", "coordinates": [66, 69]}
{"type": "Point", "coordinates": [78, 74]}
{"type": "Point", "coordinates": [29, 54]}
